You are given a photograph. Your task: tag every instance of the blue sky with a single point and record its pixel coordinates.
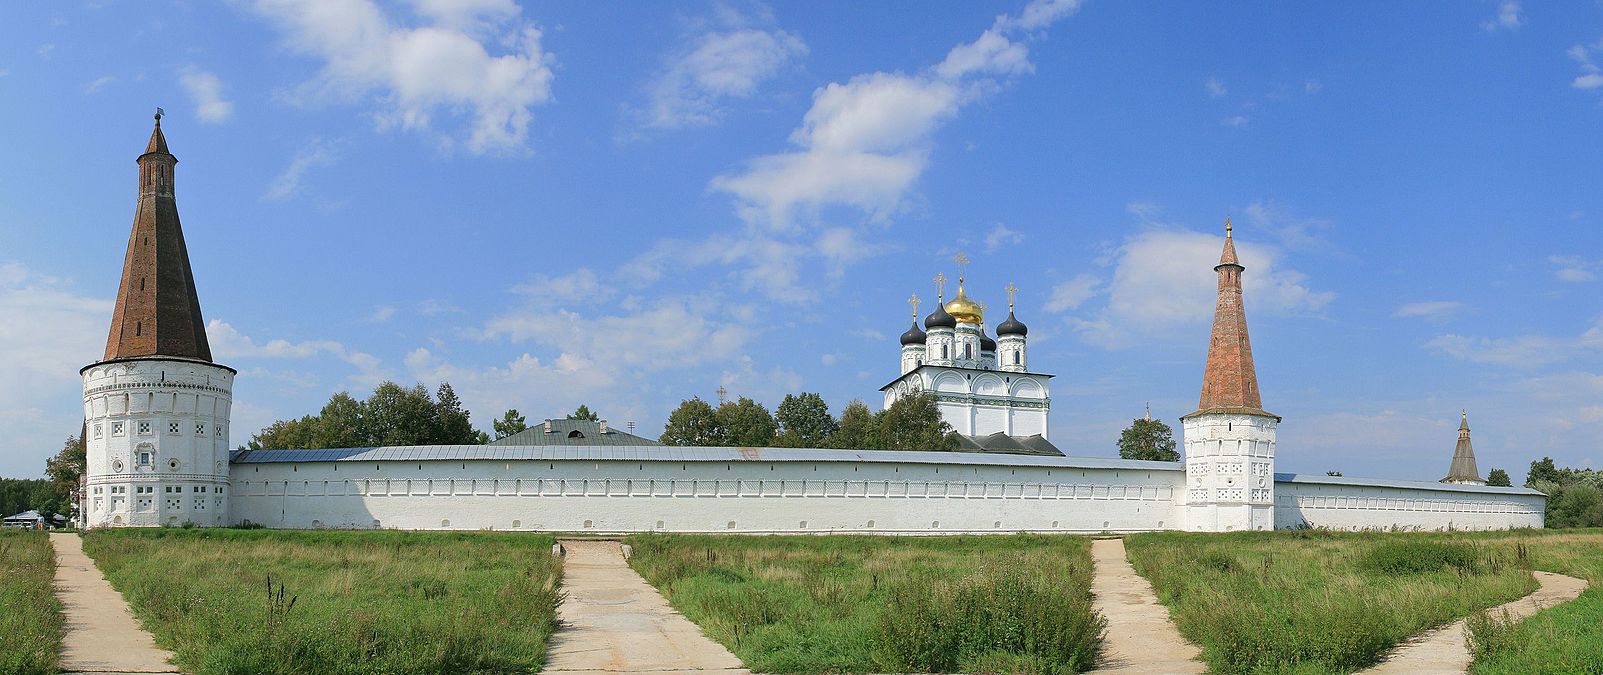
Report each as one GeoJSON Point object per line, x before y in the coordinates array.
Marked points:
{"type": "Point", "coordinates": [628, 204]}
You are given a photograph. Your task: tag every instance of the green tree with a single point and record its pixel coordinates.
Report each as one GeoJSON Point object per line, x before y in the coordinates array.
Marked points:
{"type": "Point", "coordinates": [287, 434]}
{"type": "Point", "coordinates": [392, 415]}
{"type": "Point", "coordinates": [452, 423]}
{"type": "Point", "coordinates": [343, 423]}
{"type": "Point", "coordinates": [913, 422]}
{"type": "Point", "coordinates": [1151, 440]}
{"type": "Point", "coordinates": [402, 415]}
{"type": "Point", "coordinates": [510, 423]}
{"type": "Point", "coordinates": [1543, 470]}
{"type": "Point", "coordinates": [1498, 478]}
{"type": "Point", "coordinates": [64, 470]}
{"type": "Point", "coordinates": [746, 423]}
{"type": "Point", "coordinates": [1578, 505]}
{"type": "Point", "coordinates": [693, 423]}
{"type": "Point", "coordinates": [804, 421]}
{"type": "Point", "coordinates": [856, 430]}
{"type": "Point", "coordinates": [584, 413]}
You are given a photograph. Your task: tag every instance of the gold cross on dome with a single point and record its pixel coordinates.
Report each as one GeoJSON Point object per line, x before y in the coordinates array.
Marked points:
{"type": "Point", "coordinates": [940, 284]}
{"type": "Point", "coordinates": [962, 264]}
{"type": "Point", "coordinates": [914, 302]}
{"type": "Point", "coordinates": [1011, 290]}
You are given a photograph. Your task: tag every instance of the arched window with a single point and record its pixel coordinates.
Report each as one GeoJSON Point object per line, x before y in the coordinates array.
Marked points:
{"type": "Point", "coordinates": [968, 351]}
{"type": "Point", "coordinates": [943, 351]}
{"type": "Point", "coordinates": [1015, 358]}
{"type": "Point", "coordinates": [575, 434]}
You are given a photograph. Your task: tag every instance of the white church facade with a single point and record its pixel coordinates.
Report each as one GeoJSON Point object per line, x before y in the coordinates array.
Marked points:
{"type": "Point", "coordinates": [157, 410]}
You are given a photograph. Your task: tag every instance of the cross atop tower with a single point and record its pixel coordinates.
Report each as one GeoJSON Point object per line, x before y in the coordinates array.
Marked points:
{"type": "Point", "coordinates": [940, 285]}
{"type": "Point", "coordinates": [1011, 291]}
{"type": "Point", "coordinates": [914, 302]}
{"type": "Point", "coordinates": [722, 392]}
{"type": "Point", "coordinates": [962, 264]}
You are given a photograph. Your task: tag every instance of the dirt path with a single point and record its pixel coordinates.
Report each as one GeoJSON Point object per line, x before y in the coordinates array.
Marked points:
{"type": "Point", "coordinates": [1442, 650]}
{"type": "Point", "coordinates": [102, 635]}
{"type": "Point", "coordinates": [1141, 638]}
{"type": "Point", "coordinates": [615, 622]}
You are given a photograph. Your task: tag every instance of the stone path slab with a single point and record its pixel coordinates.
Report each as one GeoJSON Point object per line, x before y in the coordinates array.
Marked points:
{"type": "Point", "coordinates": [102, 635]}
{"type": "Point", "coordinates": [1443, 650]}
{"type": "Point", "coordinates": [615, 622]}
{"type": "Point", "coordinates": [1141, 638]}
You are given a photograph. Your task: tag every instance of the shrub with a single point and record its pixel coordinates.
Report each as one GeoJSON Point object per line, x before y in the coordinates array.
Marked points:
{"type": "Point", "coordinates": [1488, 635]}
{"type": "Point", "coordinates": [1406, 557]}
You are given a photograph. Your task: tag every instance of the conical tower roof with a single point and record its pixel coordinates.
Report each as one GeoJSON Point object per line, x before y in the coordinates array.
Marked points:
{"type": "Point", "coordinates": [157, 312]}
{"type": "Point", "coordinates": [1463, 469]}
{"type": "Point", "coordinates": [1230, 382]}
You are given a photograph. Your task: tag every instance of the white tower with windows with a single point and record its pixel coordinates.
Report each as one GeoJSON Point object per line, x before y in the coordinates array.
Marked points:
{"type": "Point", "coordinates": [156, 408]}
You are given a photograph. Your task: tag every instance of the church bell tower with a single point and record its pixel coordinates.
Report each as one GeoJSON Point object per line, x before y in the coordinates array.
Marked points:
{"type": "Point", "coordinates": [1230, 438]}
{"type": "Point", "coordinates": [156, 408]}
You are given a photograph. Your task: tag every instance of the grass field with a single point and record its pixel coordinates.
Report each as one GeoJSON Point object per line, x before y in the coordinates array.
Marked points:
{"type": "Point", "coordinates": [30, 617]}
{"type": "Point", "coordinates": [1564, 639]}
{"type": "Point", "coordinates": [340, 602]}
{"type": "Point", "coordinates": [884, 604]}
{"type": "Point", "coordinates": [1314, 601]}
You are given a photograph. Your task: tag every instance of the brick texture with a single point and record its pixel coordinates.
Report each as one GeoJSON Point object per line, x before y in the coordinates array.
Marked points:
{"type": "Point", "coordinates": [1230, 381]}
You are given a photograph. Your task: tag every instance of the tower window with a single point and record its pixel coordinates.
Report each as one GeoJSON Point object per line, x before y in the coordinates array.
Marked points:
{"type": "Point", "coordinates": [968, 351]}
{"type": "Point", "coordinates": [943, 351]}
{"type": "Point", "coordinates": [116, 428]}
{"type": "Point", "coordinates": [575, 434]}
{"type": "Point", "coordinates": [1015, 358]}
{"type": "Point", "coordinates": [139, 328]}
{"type": "Point", "coordinates": [144, 459]}
{"type": "Point", "coordinates": [144, 427]}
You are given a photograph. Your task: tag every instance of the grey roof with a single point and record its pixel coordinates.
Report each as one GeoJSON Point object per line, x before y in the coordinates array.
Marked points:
{"type": "Point", "coordinates": [1407, 484]}
{"type": "Point", "coordinates": [1000, 442]}
{"type": "Point", "coordinates": [562, 433]}
{"type": "Point", "coordinates": [668, 453]}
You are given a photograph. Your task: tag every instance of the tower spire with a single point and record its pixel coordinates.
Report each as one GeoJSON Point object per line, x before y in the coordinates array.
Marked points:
{"type": "Point", "coordinates": [1230, 383]}
{"type": "Point", "coordinates": [157, 311]}
{"type": "Point", "coordinates": [1463, 469]}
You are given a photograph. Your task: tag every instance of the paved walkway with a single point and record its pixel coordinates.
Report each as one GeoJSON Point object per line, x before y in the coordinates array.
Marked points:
{"type": "Point", "coordinates": [615, 622]}
{"type": "Point", "coordinates": [1442, 650]}
{"type": "Point", "coordinates": [1141, 638]}
{"type": "Point", "coordinates": [102, 635]}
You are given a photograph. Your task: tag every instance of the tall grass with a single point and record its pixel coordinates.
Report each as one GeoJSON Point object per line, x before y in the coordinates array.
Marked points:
{"type": "Point", "coordinates": [1017, 604]}
{"type": "Point", "coordinates": [1567, 638]}
{"type": "Point", "coordinates": [1316, 601]}
{"type": "Point", "coordinates": [31, 624]}
{"type": "Point", "coordinates": [338, 602]}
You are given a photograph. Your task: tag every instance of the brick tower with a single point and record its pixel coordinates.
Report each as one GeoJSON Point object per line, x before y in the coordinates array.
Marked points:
{"type": "Point", "coordinates": [1230, 438]}
{"type": "Point", "coordinates": [155, 407]}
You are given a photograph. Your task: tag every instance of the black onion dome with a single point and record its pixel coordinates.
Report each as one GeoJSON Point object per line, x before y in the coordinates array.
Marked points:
{"type": "Point", "coordinates": [1012, 326]}
{"type": "Point", "coordinates": [913, 336]}
{"type": "Point", "coordinates": [986, 343]}
{"type": "Point", "coordinates": [939, 318]}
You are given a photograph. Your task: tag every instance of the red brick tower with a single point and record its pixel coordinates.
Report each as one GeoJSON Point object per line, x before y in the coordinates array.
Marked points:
{"type": "Point", "coordinates": [1230, 439]}
{"type": "Point", "coordinates": [158, 313]}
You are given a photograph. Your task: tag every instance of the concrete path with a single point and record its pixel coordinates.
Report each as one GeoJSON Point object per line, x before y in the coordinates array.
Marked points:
{"type": "Point", "coordinates": [1141, 638]}
{"type": "Point", "coordinates": [102, 635]}
{"type": "Point", "coordinates": [615, 622]}
{"type": "Point", "coordinates": [1442, 650]}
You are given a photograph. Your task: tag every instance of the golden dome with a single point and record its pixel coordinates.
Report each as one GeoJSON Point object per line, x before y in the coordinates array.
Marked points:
{"type": "Point", "coordinates": [963, 309]}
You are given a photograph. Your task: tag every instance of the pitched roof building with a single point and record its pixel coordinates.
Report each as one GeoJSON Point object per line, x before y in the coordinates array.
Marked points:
{"type": "Point", "coordinates": [573, 432]}
{"type": "Point", "coordinates": [157, 312]}
{"type": "Point", "coordinates": [1463, 470]}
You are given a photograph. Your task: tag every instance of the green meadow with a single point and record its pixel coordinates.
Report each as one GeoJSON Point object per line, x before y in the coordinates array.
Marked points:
{"type": "Point", "coordinates": [265, 601]}
{"type": "Point", "coordinates": [854, 604]}
{"type": "Point", "coordinates": [1567, 638]}
{"type": "Point", "coordinates": [30, 617]}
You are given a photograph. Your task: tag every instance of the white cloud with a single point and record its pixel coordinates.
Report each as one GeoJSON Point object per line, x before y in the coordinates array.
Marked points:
{"type": "Point", "coordinates": [1520, 350]}
{"type": "Point", "coordinates": [1002, 235]}
{"type": "Point", "coordinates": [580, 285]}
{"type": "Point", "coordinates": [717, 66]}
{"type": "Point", "coordinates": [1215, 87]}
{"type": "Point", "coordinates": [865, 142]}
{"type": "Point", "coordinates": [1427, 310]}
{"type": "Point", "coordinates": [1235, 121]}
{"type": "Point", "coordinates": [1294, 231]}
{"type": "Point", "coordinates": [1591, 76]}
{"type": "Point", "coordinates": [1508, 17]}
{"type": "Point", "coordinates": [1575, 269]}
{"type": "Point", "coordinates": [1069, 294]}
{"type": "Point", "coordinates": [97, 84]}
{"type": "Point", "coordinates": [1312, 87]}
{"type": "Point", "coordinates": [1165, 278]}
{"type": "Point", "coordinates": [316, 153]}
{"type": "Point", "coordinates": [668, 333]}
{"type": "Point", "coordinates": [413, 72]}
{"type": "Point", "coordinates": [229, 344]}
{"type": "Point", "coordinates": [206, 91]}
{"type": "Point", "coordinates": [382, 313]}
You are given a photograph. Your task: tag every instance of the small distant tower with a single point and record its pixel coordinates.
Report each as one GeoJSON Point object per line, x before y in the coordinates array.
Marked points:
{"type": "Point", "coordinates": [156, 408]}
{"type": "Point", "coordinates": [913, 342]}
{"type": "Point", "coordinates": [1010, 338]}
{"type": "Point", "coordinates": [1230, 439]}
{"type": "Point", "coordinates": [1463, 470]}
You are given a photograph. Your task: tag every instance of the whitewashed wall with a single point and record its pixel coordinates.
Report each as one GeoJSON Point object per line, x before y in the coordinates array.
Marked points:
{"type": "Point", "coordinates": [752, 496]}
{"type": "Point", "coordinates": [1362, 504]}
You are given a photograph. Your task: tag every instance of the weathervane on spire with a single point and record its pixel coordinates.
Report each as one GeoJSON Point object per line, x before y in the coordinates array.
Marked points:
{"type": "Point", "coordinates": [962, 265]}
{"type": "Point", "coordinates": [159, 113]}
{"type": "Point", "coordinates": [1011, 290]}
{"type": "Point", "coordinates": [914, 302]}
{"type": "Point", "coordinates": [1227, 227]}
{"type": "Point", "coordinates": [940, 285]}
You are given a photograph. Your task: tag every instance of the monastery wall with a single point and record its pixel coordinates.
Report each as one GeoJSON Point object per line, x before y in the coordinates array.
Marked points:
{"type": "Point", "coordinates": [1374, 504]}
{"type": "Point", "coordinates": [792, 494]}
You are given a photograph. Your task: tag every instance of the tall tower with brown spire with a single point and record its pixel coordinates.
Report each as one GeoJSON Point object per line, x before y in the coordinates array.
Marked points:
{"type": "Point", "coordinates": [156, 408]}
{"type": "Point", "coordinates": [1463, 470]}
{"type": "Point", "coordinates": [1230, 438]}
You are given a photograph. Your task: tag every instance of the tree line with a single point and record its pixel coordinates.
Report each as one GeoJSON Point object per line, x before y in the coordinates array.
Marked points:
{"type": "Point", "coordinates": [1574, 496]}
{"type": "Point", "coordinates": [803, 421]}
{"type": "Point", "coordinates": [392, 415]}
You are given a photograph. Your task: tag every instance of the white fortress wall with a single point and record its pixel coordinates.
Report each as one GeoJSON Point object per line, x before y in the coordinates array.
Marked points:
{"type": "Point", "coordinates": [622, 489]}
{"type": "Point", "coordinates": [1339, 503]}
